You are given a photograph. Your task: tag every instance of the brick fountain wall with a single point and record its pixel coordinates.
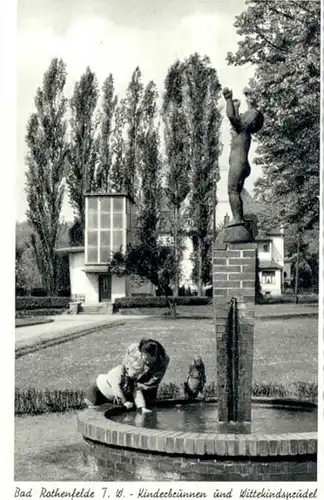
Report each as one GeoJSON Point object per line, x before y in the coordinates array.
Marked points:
{"type": "Point", "coordinates": [234, 277]}
{"type": "Point", "coordinates": [121, 452]}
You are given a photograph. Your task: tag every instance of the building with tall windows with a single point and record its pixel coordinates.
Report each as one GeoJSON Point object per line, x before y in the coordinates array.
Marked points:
{"type": "Point", "coordinates": [108, 228]}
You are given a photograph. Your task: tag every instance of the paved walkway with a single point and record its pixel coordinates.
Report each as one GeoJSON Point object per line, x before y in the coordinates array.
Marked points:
{"type": "Point", "coordinates": [64, 327]}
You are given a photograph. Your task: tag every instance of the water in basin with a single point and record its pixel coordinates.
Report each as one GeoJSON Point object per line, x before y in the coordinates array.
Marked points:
{"type": "Point", "coordinates": [202, 417]}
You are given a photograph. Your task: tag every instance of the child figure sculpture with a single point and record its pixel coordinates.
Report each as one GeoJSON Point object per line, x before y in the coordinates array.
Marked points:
{"type": "Point", "coordinates": [243, 125]}
{"type": "Point", "coordinates": [196, 379]}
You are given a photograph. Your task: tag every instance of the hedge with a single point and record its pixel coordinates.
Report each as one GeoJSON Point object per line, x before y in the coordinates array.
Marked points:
{"type": "Point", "coordinates": [287, 299]}
{"type": "Point", "coordinates": [32, 313]}
{"type": "Point", "coordinates": [35, 402]}
{"type": "Point", "coordinates": [138, 302]}
{"type": "Point", "coordinates": [31, 303]}
{"type": "Point", "coordinates": [40, 292]}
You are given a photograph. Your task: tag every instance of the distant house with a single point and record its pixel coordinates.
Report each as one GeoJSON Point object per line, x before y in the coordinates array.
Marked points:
{"type": "Point", "coordinates": [271, 261]}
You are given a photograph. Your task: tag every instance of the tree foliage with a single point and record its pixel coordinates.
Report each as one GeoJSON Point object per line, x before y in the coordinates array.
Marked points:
{"type": "Point", "coordinates": [83, 151]}
{"type": "Point", "coordinates": [149, 168]}
{"type": "Point", "coordinates": [282, 41]}
{"type": "Point", "coordinates": [46, 160]}
{"type": "Point", "coordinates": [155, 263]}
{"type": "Point", "coordinates": [109, 103]}
{"type": "Point", "coordinates": [202, 96]}
{"type": "Point", "coordinates": [133, 115]}
{"type": "Point", "coordinates": [117, 174]}
{"type": "Point", "coordinates": [177, 151]}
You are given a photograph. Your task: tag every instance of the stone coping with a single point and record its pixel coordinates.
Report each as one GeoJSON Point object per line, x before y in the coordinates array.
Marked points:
{"type": "Point", "coordinates": [95, 425]}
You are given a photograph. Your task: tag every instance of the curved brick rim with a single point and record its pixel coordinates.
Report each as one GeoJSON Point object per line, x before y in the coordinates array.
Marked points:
{"type": "Point", "coordinates": [95, 425]}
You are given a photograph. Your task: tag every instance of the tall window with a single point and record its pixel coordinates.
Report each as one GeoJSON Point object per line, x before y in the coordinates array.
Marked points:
{"type": "Point", "coordinates": [92, 230]}
{"type": "Point", "coordinates": [106, 227]}
{"type": "Point", "coordinates": [268, 277]}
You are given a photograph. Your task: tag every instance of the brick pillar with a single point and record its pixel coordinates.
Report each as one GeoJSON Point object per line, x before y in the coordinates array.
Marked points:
{"type": "Point", "coordinates": [234, 273]}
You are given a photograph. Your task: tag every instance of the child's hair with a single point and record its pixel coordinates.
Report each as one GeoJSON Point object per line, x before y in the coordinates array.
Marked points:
{"type": "Point", "coordinates": [151, 347]}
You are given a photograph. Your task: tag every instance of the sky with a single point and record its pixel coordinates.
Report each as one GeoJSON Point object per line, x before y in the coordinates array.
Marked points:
{"type": "Point", "coordinates": [115, 36]}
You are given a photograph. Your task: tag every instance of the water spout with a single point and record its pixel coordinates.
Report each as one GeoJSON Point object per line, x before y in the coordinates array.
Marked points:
{"type": "Point", "coordinates": [233, 360]}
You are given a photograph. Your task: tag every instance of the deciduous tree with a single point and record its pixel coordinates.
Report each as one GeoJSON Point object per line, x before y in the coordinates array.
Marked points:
{"type": "Point", "coordinates": [83, 150]}
{"type": "Point", "coordinates": [177, 150]}
{"type": "Point", "coordinates": [282, 41]}
{"type": "Point", "coordinates": [46, 160]}
{"type": "Point", "coordinates": [149, 196]}
{"type": "Point", "coordinates": [107, 115]}
{"type": "Point", "coordinates": [202, 96]}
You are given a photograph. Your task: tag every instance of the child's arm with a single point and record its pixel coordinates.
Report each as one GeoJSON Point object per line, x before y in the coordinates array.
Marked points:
{"type": "Point", "coordinates": [140, 401]}
{"type": "Point", "coordinates": [230, 110]}
{"type": "Point", "coordinates": [115, 383]}
{"type": "Point", "coordinates": [156, 378]}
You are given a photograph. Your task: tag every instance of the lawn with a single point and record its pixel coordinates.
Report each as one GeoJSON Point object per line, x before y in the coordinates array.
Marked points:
{"type": "Point", "coordinates": [285, 351]}
{"type": "Point", "coordinates": [49, 448]}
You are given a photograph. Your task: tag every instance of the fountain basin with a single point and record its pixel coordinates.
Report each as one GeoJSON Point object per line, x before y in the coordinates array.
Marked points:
{"type": "Point", "coordinates": [128, 452]}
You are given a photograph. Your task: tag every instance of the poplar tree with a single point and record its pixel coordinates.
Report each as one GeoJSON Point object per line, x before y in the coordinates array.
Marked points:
{"type": "Point", "coordinates": [202, 93]}
{"type": "Point", "coordinates": [46, 161]}
{"type": "Point", "coordinates": [83, 150]}
{"type": "Point", "coordinates": [149, 196]}
{"type": "Point", "coordinates": [133, 115]}
{"type": "Point", "coordinates": [105, 148]}
{"type": "Point", "coordinates": [177, 150]}
{"type": "Point", "coordinates": [117, 174]}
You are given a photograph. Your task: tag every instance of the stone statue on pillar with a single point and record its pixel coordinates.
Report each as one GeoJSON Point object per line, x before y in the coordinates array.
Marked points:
{"type": "Point", "coordinates": [243, 126]}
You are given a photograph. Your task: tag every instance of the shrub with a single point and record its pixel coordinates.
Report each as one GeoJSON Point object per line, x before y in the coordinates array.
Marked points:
{"type": "Point", "coordinates": [31, 303]}
{"type": "Point", "coordinates": [37, 312]}
{"type": "Point", "coordinates": [35, 402]}
{"type": "Point", "coordinates": [38, 292]}
{"type": "Point", "coordinates": [140, 302]}
{"type": "Point", "coordinates": [287, 299]}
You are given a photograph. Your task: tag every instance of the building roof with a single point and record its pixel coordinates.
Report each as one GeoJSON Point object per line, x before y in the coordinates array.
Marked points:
{"type": "Point", "coordinates": [111, 194]}
{"type": "Point", "coordinates": [265, 239]}
{"type": "Point", "coordinates": [269, 264]}
{"type": "Point", "coordinates": [95, 269]}
{"type": "Point", "coordinates": [69, 249]}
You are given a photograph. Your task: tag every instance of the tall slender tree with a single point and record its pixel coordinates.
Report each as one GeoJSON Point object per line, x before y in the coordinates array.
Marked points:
{"type": "Point", "coordinates": [149, 197]}
{"type": "Point", "coordinates": [109, 103]}
{"type": "Point", "coordinates": [133, 115]}
{"type": "Point", "coordinates": [118, 170]}
{"type": "Point", "coordinates": [177, 148]}
{"type": "Point", "coordinates": [46, 160]}
{"type": "Point", "coordinates": [202, 95]}
{"type": "Point", "coordinates": [83, 152]}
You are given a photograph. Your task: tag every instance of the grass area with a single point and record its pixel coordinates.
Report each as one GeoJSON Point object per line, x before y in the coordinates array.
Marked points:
{"type": "Point", "coordinates": [31, 321]}
{"type": "Point", "coordinates": [206, 311]}
{"type": "Point", "coordinates": [49, 448]}
{"type": "Point", "coordinates": [284, 352]}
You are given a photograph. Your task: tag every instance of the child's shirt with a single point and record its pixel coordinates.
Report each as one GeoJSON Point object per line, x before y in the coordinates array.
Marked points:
{"type": "Point", "coordinates": [111, 382]}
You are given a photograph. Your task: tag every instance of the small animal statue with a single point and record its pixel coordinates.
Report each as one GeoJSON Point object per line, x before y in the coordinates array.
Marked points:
{"type": "Point", "coordinates": [196, 379]}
